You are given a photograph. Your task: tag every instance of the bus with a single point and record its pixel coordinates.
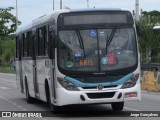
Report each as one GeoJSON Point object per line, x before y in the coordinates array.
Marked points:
{"type": "Point", "coordinates": [87, 56]}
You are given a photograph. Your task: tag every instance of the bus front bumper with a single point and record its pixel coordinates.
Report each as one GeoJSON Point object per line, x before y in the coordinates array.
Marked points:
{"type": "Point", "coordinates": [66, 97]}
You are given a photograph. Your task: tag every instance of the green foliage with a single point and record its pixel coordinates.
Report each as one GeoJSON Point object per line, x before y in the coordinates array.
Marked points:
{"type": "Point", "coordinates": [150, 41]}
{"type": "Point", "coordinates": [7, 21]}
{"type": "Point", "coordinates": [7, 41]}
{"type": "Point", "coordinates": [151, 13]}
{"type": "Point", "coordinates": [7, 48]}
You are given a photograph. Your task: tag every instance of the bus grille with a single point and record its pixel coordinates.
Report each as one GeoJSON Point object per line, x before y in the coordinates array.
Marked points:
{"type": "Point", "coordinates": [100, 95]}
{"type": "Point", "coordinates": [96, 87]}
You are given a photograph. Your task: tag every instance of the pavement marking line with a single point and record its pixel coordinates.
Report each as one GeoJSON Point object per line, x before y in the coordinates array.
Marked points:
{"type": "Point", "coordinates": [13, 103]}
{"type": "Point", "coordinates": [8, 80]}
{"type": "Point", "coordinates": [4, 88]}
{"type": "Point", "coordinates": [131, 109]}
{"type": "Point", "coordinates": [8, 74]}
{"type": "Point", "coordinates": [19, 106]}
{"type": "Point", "coordinates": [24, 109]}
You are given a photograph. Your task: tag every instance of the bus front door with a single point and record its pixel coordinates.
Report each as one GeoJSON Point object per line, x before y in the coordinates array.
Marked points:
{"type": "Point", "coordinates": [35, 81]}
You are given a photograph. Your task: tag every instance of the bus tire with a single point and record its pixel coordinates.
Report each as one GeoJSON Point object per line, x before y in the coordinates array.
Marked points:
{"type": "Point", "coordinates": [53, 108]}
{"type": "Point", "coordinates": [117, 106]}
{"type": "Point", "coordinates": [28, 97]}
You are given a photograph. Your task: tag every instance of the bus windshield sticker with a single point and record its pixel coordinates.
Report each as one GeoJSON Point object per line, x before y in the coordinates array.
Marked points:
{"type": "Point", "coordinates": [104, 60]}
{"type": "Point", "coordinates": [77, 54]}
{"type": "Point", "coordinates": [112, 59]}
{"type": "Point", "coordinates": [102, 34]}
{"type": "Point", "coordinates": [69, 64]}
{"type": "Point", "coordinates": [93, 33]}
{"type": "Point", "coordinates": [86, 62]}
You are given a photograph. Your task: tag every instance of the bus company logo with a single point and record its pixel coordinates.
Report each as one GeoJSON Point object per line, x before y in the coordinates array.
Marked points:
{"type": "Point", "coordinates": [100, 87]}
{"type": "Point", "coordinates": [6, 114]}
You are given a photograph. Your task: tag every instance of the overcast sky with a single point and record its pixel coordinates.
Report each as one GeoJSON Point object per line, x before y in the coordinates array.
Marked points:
{"type": "Point", "coordinates": [28, 10]}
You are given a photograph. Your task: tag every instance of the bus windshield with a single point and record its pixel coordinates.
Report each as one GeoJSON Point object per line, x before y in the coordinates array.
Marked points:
{"type": "Point", "coordinates": [97, 50]}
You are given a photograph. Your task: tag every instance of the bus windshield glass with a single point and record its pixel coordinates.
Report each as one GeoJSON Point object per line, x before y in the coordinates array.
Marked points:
{"type": "Point", "coordinates": [97, 50]}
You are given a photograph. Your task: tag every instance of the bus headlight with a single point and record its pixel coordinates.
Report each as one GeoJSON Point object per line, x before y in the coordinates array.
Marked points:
{"type": "Point", "coordinates": [67, 85]}
{"type": "Point", "coordinates": [131, 82]}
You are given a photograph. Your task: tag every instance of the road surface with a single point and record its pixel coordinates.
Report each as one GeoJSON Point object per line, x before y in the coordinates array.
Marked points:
{"type": "Point", "coordinates": [12, 100]}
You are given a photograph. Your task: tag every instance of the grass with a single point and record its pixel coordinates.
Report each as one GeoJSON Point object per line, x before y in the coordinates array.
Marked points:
{"type": "Point", "coordinates": [7, 70]}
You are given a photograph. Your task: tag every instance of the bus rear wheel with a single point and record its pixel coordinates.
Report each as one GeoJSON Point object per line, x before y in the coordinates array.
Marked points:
{"type": "Point", "coordinates": [117, 106]}
{"type": "Point", "coordinates": [28, 97]}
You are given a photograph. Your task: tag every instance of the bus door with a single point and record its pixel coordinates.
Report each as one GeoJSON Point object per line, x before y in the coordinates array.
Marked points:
{"type": "Point", "coordinates": [19, 75]}
{"type": "Point", "coordinates": [34, 48]}
{"type": "Point", "coordinates": [51, 50]}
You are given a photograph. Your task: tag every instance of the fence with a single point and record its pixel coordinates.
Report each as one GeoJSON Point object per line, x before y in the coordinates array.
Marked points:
{"type": "Point", "coordinates": [150, 77]}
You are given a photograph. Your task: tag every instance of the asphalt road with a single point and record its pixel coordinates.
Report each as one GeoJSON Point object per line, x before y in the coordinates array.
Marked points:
{"type": "Point", "coordinates": [12, 100]}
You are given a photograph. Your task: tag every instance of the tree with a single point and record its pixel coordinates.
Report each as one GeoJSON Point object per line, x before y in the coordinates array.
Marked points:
{"type": "Point", "coordinates": [7, 41]}
{"type": "Point", "coordinates": [7, 21]}
{"type": "Point", "coordinates": [149, 42]}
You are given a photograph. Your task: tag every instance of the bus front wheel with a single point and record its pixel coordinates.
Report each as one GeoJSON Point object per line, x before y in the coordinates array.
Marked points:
{"type": "Point", "coordinates": [53, 108]}
{"type": "Point", "coordinates": [117, 106]}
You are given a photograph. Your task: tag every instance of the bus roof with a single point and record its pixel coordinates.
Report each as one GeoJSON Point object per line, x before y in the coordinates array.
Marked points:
{"type": "Point", "coordinates": [54, 15]}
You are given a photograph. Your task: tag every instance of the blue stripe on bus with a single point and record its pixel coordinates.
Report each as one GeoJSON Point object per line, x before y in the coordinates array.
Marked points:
{"type": "Point", "coordinates": [80, 84]}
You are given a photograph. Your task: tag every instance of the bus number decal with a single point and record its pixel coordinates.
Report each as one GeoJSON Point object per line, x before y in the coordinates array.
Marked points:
{"type": "Point", "coordinates": [87, 62]}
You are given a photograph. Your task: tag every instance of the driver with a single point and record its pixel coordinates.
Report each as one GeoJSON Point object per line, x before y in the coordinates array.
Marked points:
{"type": "Point", "coordinates": [119, 40]}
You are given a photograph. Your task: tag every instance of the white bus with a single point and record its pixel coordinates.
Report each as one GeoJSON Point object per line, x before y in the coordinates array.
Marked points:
{"type": "Point", "coordinates": [79, 57]}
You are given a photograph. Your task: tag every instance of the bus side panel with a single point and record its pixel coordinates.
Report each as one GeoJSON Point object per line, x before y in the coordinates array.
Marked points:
{"type": "Point", "coordinates": [18, 74]}
{"type": "Point", "coordinates": [43, 73]}
{"type": "Point", "coordinates": [28, 75]}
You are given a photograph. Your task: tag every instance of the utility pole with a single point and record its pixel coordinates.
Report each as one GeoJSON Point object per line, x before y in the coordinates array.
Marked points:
{"type": "Point", "coordinates": [137, 10]}
{"type": "Point", "coordinates": [60, 4]}
{"type": "Point", "coordinates": [53, 4]}
{"type": "Point", "coordinates": [87, 3]}
{"type": "Point", "coordinates": [16, 15]}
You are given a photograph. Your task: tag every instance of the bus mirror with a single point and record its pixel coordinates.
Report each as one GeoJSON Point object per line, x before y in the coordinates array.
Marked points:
{"type": "Point", "coordinates": [140, 29]}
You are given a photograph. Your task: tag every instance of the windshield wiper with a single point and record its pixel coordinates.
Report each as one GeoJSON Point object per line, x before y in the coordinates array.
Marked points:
{"type": "Point", "coordinates": [80, 41]}
{"type": "Point", "coordinates": [109, 39]}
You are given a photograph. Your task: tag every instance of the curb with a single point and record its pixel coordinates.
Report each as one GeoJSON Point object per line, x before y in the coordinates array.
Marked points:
{"type": "Point", "coordinates": [148, 92]}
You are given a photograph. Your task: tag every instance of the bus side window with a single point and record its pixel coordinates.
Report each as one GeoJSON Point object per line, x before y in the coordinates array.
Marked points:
{"type": "Point", "coordinates": [51, 47]}
{"type": "Point", "coordinates": [17, 48]}
{"type": "Point", "coordinates": [34, 47]}
{"type": "Point", "coordinates": [29, 37]}
{"type": "Point", "coordinates": [20, 46]}
{"type": "Point", "coordinates": [46, 39]}
{"type": "Point", "coordinates": [41, 41]}
{"type": "Point", "coordinates": [25, 45]}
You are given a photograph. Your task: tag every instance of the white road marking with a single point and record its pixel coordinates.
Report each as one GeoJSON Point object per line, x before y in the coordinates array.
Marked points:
{"type": "Point", "coordinates": [4, 88]}
{"type": "Point", "coordinates": [13, 103]}
{"type": "Point", "coordinates": [14, 81]}
{"type": "Point", "coordinates": [8, 74]}
{"type": "Point", "coordinates": [131, 109]}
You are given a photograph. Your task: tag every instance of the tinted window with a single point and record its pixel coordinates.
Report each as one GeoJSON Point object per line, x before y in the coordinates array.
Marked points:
{"type": "Point", "coordinates": [41, 41]}
{"type": "Point", "coordinates": [25, 45]}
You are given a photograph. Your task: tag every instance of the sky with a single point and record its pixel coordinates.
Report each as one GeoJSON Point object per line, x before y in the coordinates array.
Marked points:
{"type": "Point", "coordinates": [29, 10]}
